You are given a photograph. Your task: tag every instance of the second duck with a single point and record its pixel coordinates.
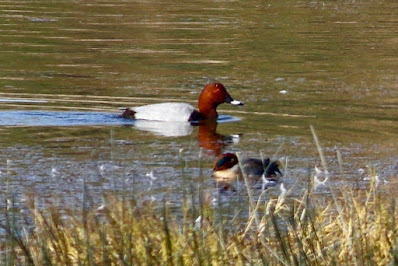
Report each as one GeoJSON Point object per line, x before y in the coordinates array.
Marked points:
{"type": "Point", "coordinates": [227, 168]}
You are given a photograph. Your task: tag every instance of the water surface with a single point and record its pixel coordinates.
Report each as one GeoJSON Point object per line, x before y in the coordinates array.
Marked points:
{"type": "Point", "coordinates": [294, 64]}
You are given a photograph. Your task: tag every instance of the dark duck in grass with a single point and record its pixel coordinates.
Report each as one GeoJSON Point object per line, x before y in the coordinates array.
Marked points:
{"type": "Point", "coordinates": [227, 169]}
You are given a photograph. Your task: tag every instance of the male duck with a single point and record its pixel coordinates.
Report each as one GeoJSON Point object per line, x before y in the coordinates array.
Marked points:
{"type": "Point", "coordinates": [227, 169]}
{"type": "Point", "coordinates": [212, 95]}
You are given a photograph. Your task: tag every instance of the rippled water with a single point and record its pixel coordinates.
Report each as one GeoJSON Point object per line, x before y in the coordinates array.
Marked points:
{"type": "Point", "coordinates": [66, 67]}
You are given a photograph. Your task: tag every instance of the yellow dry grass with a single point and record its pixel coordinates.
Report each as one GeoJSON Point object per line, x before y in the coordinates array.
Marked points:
{"type": "Point", "coordinates": [354, 227]}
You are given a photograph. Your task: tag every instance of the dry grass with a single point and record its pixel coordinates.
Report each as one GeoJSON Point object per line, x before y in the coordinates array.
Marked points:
{"type": "Point", "coordinates": [354, 228]}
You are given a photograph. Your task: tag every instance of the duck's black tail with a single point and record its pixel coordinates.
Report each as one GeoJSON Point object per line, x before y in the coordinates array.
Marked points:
{"type": "Point", "coordinates": [271, 168]}
{"type": "Point", "coordinates": [128, 113]}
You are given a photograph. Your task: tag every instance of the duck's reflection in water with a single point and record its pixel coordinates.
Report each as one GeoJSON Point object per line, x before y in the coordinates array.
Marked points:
{"type": "Point", "coordinates": [212, 142]}
{"type": "Point", "coordinates": [166, 129]}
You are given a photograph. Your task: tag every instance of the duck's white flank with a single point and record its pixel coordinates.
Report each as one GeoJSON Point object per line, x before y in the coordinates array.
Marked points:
{"type": "Point", "coordinates": [169, 112]}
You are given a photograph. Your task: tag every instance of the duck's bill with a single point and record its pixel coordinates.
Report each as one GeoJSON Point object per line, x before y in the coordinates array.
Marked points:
{"type": "Point", "coordinates": [235, 102]}
{"type": "Point", "coordinates": [230, 100]}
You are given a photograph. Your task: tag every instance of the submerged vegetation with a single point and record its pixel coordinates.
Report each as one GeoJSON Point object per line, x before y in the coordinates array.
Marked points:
{"type": "Point", "coordinates": [354, 227]}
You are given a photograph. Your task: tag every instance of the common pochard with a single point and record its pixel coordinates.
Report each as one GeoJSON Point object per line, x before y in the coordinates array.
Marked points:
{"type": "Point", "coordinates": [227, 169]}
{"type": "Point", "coordinates": [213, 94]}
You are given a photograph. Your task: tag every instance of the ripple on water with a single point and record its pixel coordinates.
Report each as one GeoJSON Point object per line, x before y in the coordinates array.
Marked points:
{"type": "Point", "coordinates": [59, 118]}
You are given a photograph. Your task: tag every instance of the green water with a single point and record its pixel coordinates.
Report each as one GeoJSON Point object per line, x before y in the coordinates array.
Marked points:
{"type": "Point", "coordinates": [333, 65]}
